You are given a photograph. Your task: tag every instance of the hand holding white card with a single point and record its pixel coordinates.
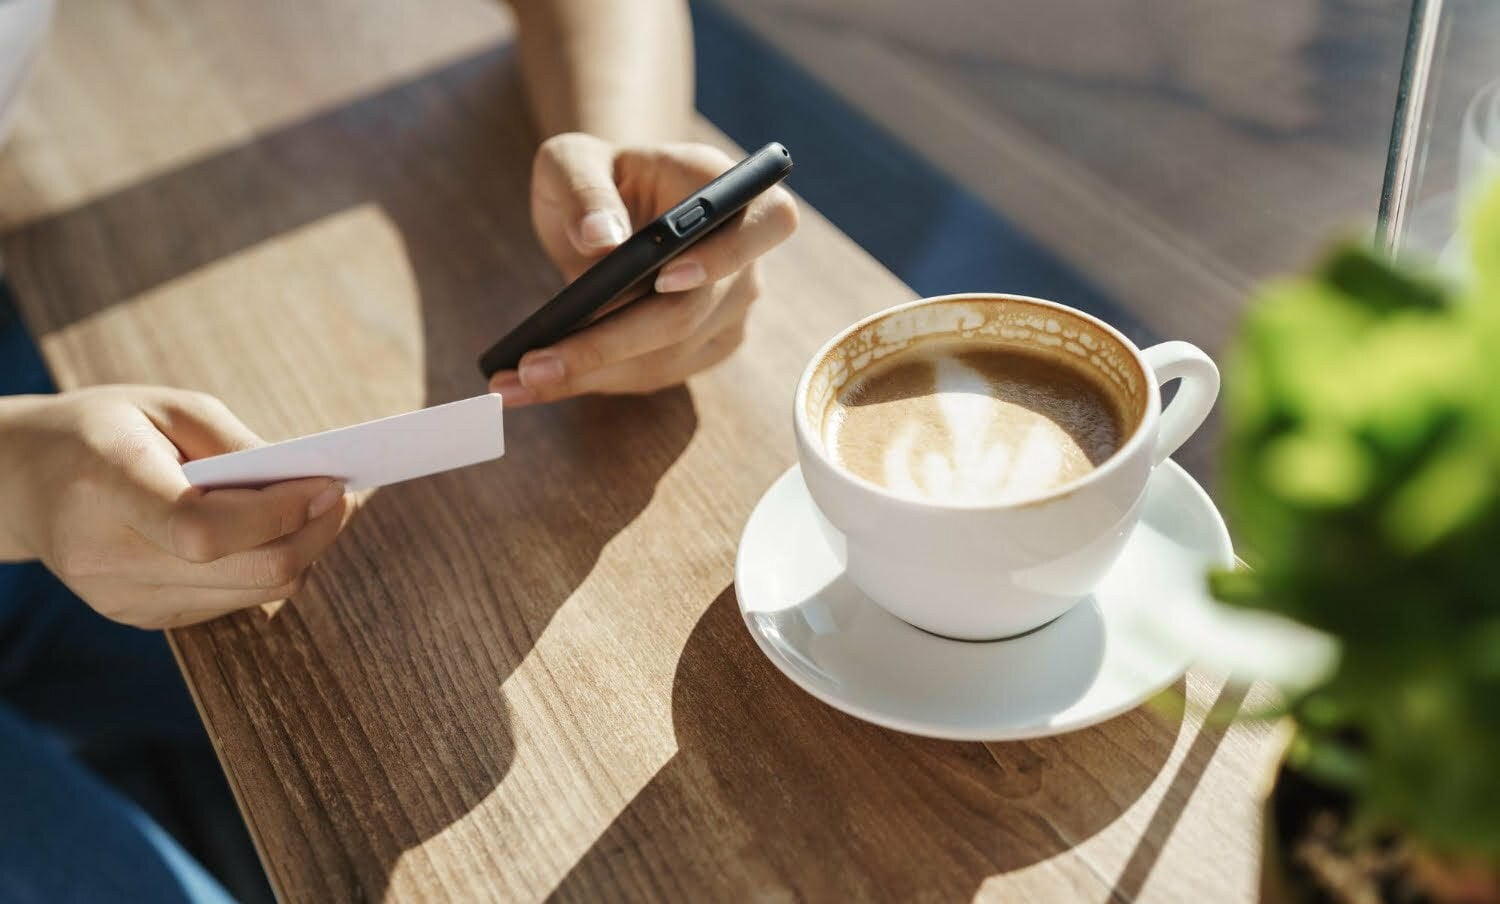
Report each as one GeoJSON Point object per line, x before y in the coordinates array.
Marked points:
{"type": "Point", "coordinates": [372, 454]}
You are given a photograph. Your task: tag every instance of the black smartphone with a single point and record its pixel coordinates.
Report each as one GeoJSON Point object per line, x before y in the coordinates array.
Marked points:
{"type": "Point", "coordinates": [622, 275]}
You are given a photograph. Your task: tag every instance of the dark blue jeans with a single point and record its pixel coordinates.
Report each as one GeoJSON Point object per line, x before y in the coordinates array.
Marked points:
{"type": "Point", "coordinates": [102, 757]}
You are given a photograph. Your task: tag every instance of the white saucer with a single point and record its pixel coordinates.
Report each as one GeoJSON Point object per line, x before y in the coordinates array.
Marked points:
{"type": "Point", "coordinates": [1106, 655]}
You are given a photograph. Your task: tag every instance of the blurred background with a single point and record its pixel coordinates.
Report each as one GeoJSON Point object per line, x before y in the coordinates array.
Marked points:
{"type": "Point", "coordinates": [1148, 160]}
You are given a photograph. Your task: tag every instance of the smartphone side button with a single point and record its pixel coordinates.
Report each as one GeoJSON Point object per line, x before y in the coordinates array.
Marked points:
{"type": "Point", "coordinates": [683, 223]}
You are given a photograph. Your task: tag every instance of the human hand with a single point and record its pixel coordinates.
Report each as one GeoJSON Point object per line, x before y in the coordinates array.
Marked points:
{"type": "Point", "coordinates": [93, 486]}
{"type": "Point", "coordinates": [588, 196]}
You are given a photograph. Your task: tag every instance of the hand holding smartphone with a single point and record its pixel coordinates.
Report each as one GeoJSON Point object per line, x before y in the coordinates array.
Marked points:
{"type": "Point", "coordinates": [626, 272]}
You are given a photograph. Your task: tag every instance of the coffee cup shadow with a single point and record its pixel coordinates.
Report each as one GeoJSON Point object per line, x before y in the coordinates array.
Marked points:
{"type": "Point", "coordinates": [771, 793]}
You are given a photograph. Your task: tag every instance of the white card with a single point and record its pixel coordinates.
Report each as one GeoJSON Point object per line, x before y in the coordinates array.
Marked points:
{"type": "Point", "coordinates": [372, 454]}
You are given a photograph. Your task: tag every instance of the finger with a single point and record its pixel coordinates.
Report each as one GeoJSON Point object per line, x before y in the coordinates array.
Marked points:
{"type": "Point", "coordinates": [270, 565]}
{"type": "Point", "coordinates": [157, 608]}
{"type": "Point", "coordinates": [664, 368]}
{"type": "Point", "coordinates": [274, 564]}
{"type": "Point", "coordinates": [198, 424]}
{"type": "Point", "coordinates": [512, 393]}
{"type": "Point", "coordinates": [766, 223]}
{"type": "Point", "coordinates": [208, 526]}
{"type": "Point", "coordinates": [718, 337]}
{"type": "Point", "coordinates": [654, 322]}
{"type": "Point", "coordinates": [730, 303]}
{"type": "Point", "coordinates": [200, 526]}
{"type": "Point", "coordinates": [576, 172]}
{"type": "Point", "coordinates": [686, 165]}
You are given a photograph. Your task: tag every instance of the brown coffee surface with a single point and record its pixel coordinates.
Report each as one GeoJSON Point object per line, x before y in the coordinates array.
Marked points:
{"type": "Point", "coordinates": [965, 421]}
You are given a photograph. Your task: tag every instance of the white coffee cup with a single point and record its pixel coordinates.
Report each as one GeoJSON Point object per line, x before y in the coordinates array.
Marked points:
{"type": "Point", "coordinates": [983, 570]}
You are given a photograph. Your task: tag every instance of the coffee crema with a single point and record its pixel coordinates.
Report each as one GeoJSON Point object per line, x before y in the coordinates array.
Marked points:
{"type": "Point", "coordinates": [967, 421]}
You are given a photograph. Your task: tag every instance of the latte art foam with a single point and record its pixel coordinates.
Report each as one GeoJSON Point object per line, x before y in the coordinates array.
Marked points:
{"type": "Point", "coordinates": [961, 422]}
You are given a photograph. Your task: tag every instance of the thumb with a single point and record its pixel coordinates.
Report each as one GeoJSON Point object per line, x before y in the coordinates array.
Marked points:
{"type": "Point", "coordinates": [581, 170]}
{"type": "Point", "coordinates": [199, 425]}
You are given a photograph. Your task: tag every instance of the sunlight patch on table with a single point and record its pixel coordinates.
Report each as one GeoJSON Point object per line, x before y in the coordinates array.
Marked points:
{"type": "Point", "coordinates": [316, 328]}
{"type": "Point", "coordinates": [592, 711]}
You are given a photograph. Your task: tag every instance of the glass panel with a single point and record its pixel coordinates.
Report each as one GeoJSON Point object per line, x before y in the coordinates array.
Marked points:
{"type": "Point", "coordinates": [1446, 141]}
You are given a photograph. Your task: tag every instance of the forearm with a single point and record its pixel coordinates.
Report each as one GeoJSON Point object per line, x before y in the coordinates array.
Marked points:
{"type": "Point", "coordinates": [621, 71]}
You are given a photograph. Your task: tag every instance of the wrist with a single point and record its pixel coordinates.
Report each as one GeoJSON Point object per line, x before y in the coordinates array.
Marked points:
{"type": "Point", "coordinates": [621, 72]}
{"type": "Point", "coordinates": [16, 450]}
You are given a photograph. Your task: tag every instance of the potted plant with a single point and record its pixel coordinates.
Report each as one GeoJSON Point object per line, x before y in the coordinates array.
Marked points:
{"type": "Point", "coordinates": [1362, 477]}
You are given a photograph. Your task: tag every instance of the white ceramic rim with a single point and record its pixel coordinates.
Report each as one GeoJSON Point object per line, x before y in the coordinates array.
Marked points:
{"type": "Point", "coordinates": [814, 439]}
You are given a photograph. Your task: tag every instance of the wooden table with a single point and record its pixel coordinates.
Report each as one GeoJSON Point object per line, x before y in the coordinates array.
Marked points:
{"type": "Point", "coordinates": [529, 677]}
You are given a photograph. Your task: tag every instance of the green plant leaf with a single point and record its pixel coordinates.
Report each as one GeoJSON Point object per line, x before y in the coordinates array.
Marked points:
{"type": "Point", "coordinates": [1377, 284]}
{"type": "Point", "coordinates": [1236, 586]}
{"type": "Point", "coordinates": [1362, 478]}
{"type": "Point", "coordinates": [1317, 468]}
{"type": "Point", "coordinates": [1483, 228]}
{"type": "Point", "coordinates": [1452, 488]}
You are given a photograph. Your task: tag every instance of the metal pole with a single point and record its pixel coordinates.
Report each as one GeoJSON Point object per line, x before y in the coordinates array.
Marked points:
{"type": "Point", "coordinates": [1405, 157]}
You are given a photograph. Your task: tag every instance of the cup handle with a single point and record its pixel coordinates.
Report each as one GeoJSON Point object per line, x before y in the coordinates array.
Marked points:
{"type": "Point", "coordinates": [1195, 396]}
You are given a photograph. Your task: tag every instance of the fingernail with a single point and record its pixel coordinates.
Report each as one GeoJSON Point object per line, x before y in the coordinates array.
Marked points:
{"type": "Point", "coordinates": [325, 500]}
{"type": "Point", "coordinates": [680, 277]}
{"type": "Point", "coordinates": [540, 368]}
{"type": "Point", "coordinates": [505, 382]}
{"type": "Point", "coordinates": [512, 393]}
{"type": "Point", "coordinates": [601, 229]}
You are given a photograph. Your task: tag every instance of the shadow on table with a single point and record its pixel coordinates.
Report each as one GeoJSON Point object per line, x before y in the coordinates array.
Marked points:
{"type": "Point", "coordinates": [772, 793]}
{"type": "Point", "coordinates": [368, 715]}
{"type": "Point", "coordinates": [445, 156]}
{"type": "Point", "coordinates": [414, 646]}
{"type": "Point", "coordinates": [1221, 714]}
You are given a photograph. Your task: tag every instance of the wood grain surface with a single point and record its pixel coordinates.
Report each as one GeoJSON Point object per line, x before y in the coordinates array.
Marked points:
{"type": "Point", "coordinates": [528, 678]}
{"type": "Point", "coordinates": [1174, 152]}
